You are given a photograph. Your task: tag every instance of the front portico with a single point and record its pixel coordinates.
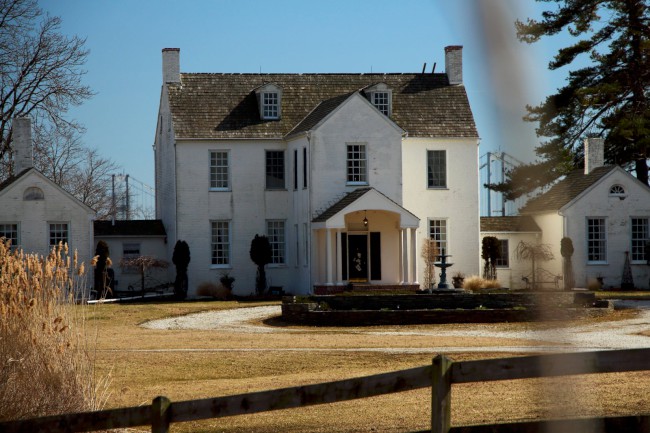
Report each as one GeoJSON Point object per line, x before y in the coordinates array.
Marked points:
{"type": "Point", "coordinates": [365, 238]}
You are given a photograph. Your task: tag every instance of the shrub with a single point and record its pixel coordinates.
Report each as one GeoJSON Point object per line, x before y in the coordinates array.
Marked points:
{"type": "Point", "coordinates": [45, 367]}
{"type": "Point", "coordinates": [475, 283]}
{"type": "Point", "coordinates": [208, 288]}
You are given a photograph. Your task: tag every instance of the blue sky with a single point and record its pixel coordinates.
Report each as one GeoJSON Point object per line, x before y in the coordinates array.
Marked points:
{"type": "Point", "coordinates": [125, 39]}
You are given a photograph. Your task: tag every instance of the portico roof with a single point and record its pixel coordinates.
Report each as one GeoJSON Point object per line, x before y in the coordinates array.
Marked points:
{"type": "Point", "coordinates": [367, 198]}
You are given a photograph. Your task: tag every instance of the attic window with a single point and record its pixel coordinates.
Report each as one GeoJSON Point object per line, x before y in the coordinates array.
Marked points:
{"type": "Point", "coordinates": [617, 191]}
{"type": "Point", "coordinates": [269, 100]}
{"type": "Point", "coordinates": [381, 96]}
{"type": "Point", "coordinates": [33, 193]}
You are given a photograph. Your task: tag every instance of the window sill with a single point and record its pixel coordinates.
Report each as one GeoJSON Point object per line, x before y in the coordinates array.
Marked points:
{"type": "Point", "coordinates": [356, 183]}
{"type": "Point", "coordinates": [276, 265]}
{"type": "Point", "coordinates": [219, 189]}
{"type": "Point", "coordinates": [597, 263]}
{"type": "Point", "coordinates": [220, 267]}
{"type": "Point", "coordinates": [438, 188]}
{"type": "Point", "coordinates": [275, 189]}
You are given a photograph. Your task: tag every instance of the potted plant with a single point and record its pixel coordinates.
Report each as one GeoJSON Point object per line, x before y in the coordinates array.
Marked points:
{"type": "Point", "coordinates": [457, 280]}
{"type": "Point", "coordinates": [227, 281]}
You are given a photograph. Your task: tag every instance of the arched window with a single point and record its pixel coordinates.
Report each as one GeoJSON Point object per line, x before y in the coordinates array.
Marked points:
{"type": "Point", "coordinates": [617, 191]}
{"type": "Point", "coordinates": [33, 193]}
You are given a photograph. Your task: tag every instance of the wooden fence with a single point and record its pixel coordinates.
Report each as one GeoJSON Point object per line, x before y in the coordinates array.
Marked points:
{"type": "Point", "coordinates": [439, 376]}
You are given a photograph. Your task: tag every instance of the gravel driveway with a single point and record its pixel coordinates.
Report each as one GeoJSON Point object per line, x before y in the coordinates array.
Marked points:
{"type": "Point", "coordinates": [622, 334]}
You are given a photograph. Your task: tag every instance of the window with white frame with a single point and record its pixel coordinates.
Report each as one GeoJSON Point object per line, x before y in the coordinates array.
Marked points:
{"type": "Point", "coordinates": [297, 236]}
{"type": "Point", "coordinates": [276, 235]}
{"type": "Point", "coordinates": [438, 232]}
{"type": "Point", "coordinates": [617, 191]}
{"type": "Point", "coordinates": [270, 105]}
{"type": "Point", "coordinates": [9, 232]}
{"type": "Point", "coordinates": [356, 164]}
{"type": "Point", "coordinates": [219, 170]}
{"type": "Point", "coordinates": [503, 261]}
{"type": "Point", "coordinates": [639, 237]}
{"type": "Point", "coordinates": [275, 169]}
{"type": "Point", "coordinates": [305, 235]}
{"type": "Point", "coordinates": [58, 233]}
{"type": "Point", "coordinates": [130, 251]}
{"type": "Point", "coordinates": [381, 100]}
{"type": "Point", "coordinates": [436, 169]}
{"type": "Point", "coordinates": [596, 240]}
{"type": "Point", "coordinates": [220, 243]}
{"type": "Point", "coordinates": [304, 167]}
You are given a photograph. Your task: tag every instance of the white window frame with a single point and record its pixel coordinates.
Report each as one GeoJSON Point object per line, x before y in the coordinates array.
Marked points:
{"type": "Point", "coordinates": [356, 163]}
{"type": "Point", "coordinates": [58, 227]}
{"type": "Point", "coordinates": [216, 177]}
{"type": "Point", "coordinates": [11, 228]}
{"type": "Point", "coordinates": [272, 169]}
{"type": "Point", "coordinates": [382, 101]}
{"type": "Point", "coordinates": [441, 236]}
{"type": "Point", "coordinates": [617, 190]}
{"type": "Point", "coordinates": [639, 235]}
{"type": "Point", "coordinates": [431, 166]}
{"type": "Point", "coordinates": [276, 232]}
{"type": "Point", "coordinates": [220, 260]}
{"type": "Point", "coordinates": [503, 262]}
{"type": "Point", "coordinates": [270, 105]}
{"type": "Point", "coordinates": [306, 243]}
{"type": "Point", "coordinates": [599, 242]}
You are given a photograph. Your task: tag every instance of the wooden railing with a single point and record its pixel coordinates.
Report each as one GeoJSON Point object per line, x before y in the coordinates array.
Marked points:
{"type": "Point", "coordinates": [440, 376]}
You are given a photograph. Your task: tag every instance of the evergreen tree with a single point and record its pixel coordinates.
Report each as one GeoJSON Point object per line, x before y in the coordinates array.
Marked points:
{"type": "Point", "coordinates": [607, 98]}
{"type": "Point", "coordinates": [261, 254]}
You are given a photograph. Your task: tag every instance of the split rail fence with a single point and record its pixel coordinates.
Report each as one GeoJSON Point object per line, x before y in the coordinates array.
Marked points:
{"type": "Point", "coordinates": [439, 376]}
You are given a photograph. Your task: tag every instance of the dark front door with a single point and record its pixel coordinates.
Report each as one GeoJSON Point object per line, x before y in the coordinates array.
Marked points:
{"type": "Point", "coordinates": [358, 258]}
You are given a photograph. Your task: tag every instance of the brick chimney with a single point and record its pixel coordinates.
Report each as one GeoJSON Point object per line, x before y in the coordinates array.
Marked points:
{"type": "Point", "coordinates": [23, 150]}
{"type": "Point", "coordinates": [171, 65]}
{"type": "Point", "coordinates": [594, 153]}
{"type": "Point", "coordinates": [454, 63]}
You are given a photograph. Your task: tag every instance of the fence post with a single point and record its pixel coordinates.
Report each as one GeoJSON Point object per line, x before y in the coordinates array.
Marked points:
{"type": "Point", "coordinates": [441, 395]}
{"type": "Point", "coordinates": [160, 415]}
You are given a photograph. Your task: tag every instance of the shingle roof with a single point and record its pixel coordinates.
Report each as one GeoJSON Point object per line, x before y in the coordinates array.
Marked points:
{"type": "Point", "coordinates": [5, 184]}
{"type": "Point", "coordinates": [225, 105]}
{"type": "Point", "coordinates": [566, 190]}
{"type": "Point", "coordinates": [341, 204]}
{"type": "Point", "coordinates": [130, 228]}
{"type": "Point", "coordinates": [509, 224]}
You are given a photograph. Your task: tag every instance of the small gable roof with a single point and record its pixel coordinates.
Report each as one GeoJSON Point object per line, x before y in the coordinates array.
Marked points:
{"type": "Point", "coordinates": [566, 190]}
{"type": "Point", "coordinates": [135, 228]}
{"type": "Point", "coordinates": [9, 181]}
{"type": "Point", "coordinates": [222, 106]}
{"type": "Point", "coordinates": [510, 224]}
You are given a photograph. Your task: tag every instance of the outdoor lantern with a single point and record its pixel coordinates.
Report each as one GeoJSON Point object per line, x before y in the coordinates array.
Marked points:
{"type": "Point", "coordinates": [365, 220]}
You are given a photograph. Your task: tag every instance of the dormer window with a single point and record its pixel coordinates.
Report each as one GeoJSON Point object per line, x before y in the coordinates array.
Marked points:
{"type": "Point", "coordinates": [269, 99]}
{"type": "Point", "coordinates": [381, 97]}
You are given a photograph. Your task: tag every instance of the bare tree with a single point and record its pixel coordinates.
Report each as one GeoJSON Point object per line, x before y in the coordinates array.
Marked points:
{"type": "Point", "coordinates": [91, 183]}
{"type": "Point", "coordinates": [40, 70]}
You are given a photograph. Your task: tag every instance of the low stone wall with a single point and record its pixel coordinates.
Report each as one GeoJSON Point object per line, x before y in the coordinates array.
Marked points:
{"type": "Point", "coordinates": [431, 309]}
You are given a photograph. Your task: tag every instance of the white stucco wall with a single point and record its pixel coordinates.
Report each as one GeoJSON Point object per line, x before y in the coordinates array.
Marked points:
{"type": "Point", "coordinates": [458, 203]}
{"type": "Point", "coordinates": [597, 202]}
{"type": "Point", "coordinates": [511, 275]}
{"type": "Point", "coordinates": [34, 216]}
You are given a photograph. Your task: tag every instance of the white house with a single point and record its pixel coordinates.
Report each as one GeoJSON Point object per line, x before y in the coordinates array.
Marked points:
{"type": "Point", "coordinates": [604, 210]}
{"type": "Point", "coordinates": [345, 173]}
{"type": "Point", "coordinates": [35, 213]}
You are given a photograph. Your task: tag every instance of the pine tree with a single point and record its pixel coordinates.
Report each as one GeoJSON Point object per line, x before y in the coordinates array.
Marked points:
{"type": "Point", "coordinates": [606, 98]}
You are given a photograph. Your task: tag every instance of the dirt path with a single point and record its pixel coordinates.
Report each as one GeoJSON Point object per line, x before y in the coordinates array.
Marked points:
{"type": "Point", "coordinates": [624, 334]}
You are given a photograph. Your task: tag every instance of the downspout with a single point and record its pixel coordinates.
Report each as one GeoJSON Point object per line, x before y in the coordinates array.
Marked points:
{"type": "Point", "coordinates": [310, 258]}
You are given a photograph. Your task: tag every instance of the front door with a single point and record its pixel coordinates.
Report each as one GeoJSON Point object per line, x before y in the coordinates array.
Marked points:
{"type": "Point", "coordinates": [358, 258]}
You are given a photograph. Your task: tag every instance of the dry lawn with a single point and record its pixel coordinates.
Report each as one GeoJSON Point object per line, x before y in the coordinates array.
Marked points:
{"type": "Point", "coordinates": [185, 365]}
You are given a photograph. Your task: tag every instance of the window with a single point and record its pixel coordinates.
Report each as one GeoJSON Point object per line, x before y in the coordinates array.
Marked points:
{"type": "Point", "coordinates": [436, 169]}
{"type": "Point", "coordinates": [296, 232]}
{"type": "Point", "coordinates": [356, 164]}
{"type": "Point", "coordinates": [219, 173]}
{"type": "Point", "coordinates": [270, 105]}
{"type": "Point", "coordinates": [274, 169]}
{"type": "Point", "coordinates": [9, 232]}
{"type": "Point", "coordinates": [305, 230]}
{"type": "Point", "coordinates": [295, 169]}
{"type": "Point", "coordinates": [33, 193]}
{"type": "Point", "coordinates": [596, 240]}
{"type": "Point", "coordinates": [503, 261]}
{"type": "Point", "coordinates": [304, 167]}
{"type": "Point", "coordinates": [58, 233]}
{"type": "Point", "coordinates": [639, 237]}
{"type": "Point", "coordinates": [220, 243]}
{"type": "Point", "coordinates": [381, 100]}
{"type": "Point", "coordinates": [130, 251]}
{"type": "Point", "coordinates": [438, 232]}
{"type": "Point", "coordinates": [275, 233]}
{"type": "Point", "coordinates": [617, 191]}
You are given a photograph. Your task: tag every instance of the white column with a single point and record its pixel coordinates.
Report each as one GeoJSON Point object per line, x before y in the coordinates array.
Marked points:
{"type": "Point", "coordinates": [405, 269]}
{"type": "Point", "coordinates": [339, 258]}
{"type": "Point", "coordinates": [414, 257]}
{"type": "Point", "coordinates": [400, 259]}
{"type": "Point", "coordinates": [328, 256]}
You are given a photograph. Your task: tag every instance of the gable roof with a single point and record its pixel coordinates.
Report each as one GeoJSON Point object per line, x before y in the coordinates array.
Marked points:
{"type": "Point", "coordinates": [217, 106]}
{"type": "Point", "coordinates": [9, 181]}
{"type": "Point", "coordinates": [560, 194]}
{"type": "Point", "coordinates": [337, 207]}
{"type": "Point", "coordinates": [129, 228]}
{"type": "Point", "coordinates": [509, 224]}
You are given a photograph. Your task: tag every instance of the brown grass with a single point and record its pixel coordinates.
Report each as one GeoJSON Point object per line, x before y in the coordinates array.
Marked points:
{"type": "Point", "coordinates": [185, 365]}
{"type": "Point", "coordinates": [45, 367]}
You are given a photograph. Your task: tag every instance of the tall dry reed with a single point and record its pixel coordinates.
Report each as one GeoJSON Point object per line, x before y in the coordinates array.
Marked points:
{"type": "Point", "coordinates": [46, 365]}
